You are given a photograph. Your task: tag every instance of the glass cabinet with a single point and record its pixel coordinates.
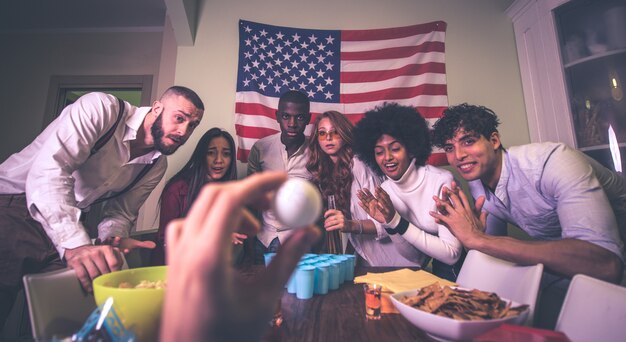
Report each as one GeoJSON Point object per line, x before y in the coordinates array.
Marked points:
{"type": "Point", "coordinates": [592, 43]}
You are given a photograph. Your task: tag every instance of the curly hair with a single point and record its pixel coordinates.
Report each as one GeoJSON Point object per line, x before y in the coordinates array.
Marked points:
{"type": "Point", "coordinates": [196, 169]}
{"type": "Point", "coordinates": [404, 123]}
{"type": "Point", "coordinates": [333, 178]}
{"type": "Point", "coordinates": [472, 119]}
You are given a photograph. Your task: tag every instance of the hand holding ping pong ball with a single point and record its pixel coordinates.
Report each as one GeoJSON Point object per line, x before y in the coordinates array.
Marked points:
{"type": "Point", "coordinates": [298, 203]}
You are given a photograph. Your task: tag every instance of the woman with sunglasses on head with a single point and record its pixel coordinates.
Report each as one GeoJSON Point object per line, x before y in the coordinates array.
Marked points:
{"type": "Point", "coordinates": [211, 161]}
{"type": "Point", "coordinates": [394, 141]}
{"type": "Point", "coordinates": [336, 172]}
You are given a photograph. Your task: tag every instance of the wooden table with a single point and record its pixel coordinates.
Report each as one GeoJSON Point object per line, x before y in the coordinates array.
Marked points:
{"type": "Point", "coordinates": [340, 316]}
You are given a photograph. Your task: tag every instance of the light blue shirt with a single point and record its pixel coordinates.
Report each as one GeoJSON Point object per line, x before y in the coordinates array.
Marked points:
{"type": "Point", "coordinates": [553, 192]}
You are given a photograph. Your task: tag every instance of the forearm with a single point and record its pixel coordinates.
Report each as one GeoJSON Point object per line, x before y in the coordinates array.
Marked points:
{"type": "Point", "coordinates": [566, 257]}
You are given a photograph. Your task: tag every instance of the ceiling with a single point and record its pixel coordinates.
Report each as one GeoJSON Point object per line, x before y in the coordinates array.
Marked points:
{"type": "Point", "coordinates": [45, 15]}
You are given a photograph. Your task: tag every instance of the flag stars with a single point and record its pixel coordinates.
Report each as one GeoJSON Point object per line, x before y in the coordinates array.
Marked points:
{"type": "Point", "coordinates": [312, 80]}
{"type": "Point", "coordinates": [277, 88]}
{"type": "Point", "coordinates": [296, 37]}
{"type": "Point", "coordinates": [293, 78]}
{"type": "Point", "coordinates": [321, 47]}
{"type": "Point", "coordinates": [247, 29]}
{"type": "Point", "coordinates": [262, 86]}
{"type": "Point", "coordinates": [330, 40]}
{"type": "Point", "coordinates": [285, 82]}
{"type": "Point", "coordinates": [310, 93]}
{"type": "Point", "coordinates": [270, 54]}
{"type": "Point", "coordinates": [294, 64]}
{"type": "Point", "coordinates": [263, 72]}
{"type": "Point", "coordinates": [329, 66]}
{"type": "Point", "coordinates": [295, 50]}
{"type": "Point", "coordinates": [246, 82]}
{"type": "Point", "coordinates": [330, 53]}
{"type": "Point", "coordinates": [248, 42]}
{"type": "Point", "coordinates": [304, 45]}
{"type": "Point", "coordinates": [329, 81]}
{"type": "Point", "coordinates": [312, 65]}
{"type": "Point", "coordinates": [255, 38]}
{"type": "Point", "coordinates": [303, 58]}
{"type": "Point", "coordinates": [255, 64]}
{"type": "Point", "coordinates": [279, 48]}
{"type": "Point", "coordinates": [247, 55]}
{"type": "Point", "coordinates": [287, 43]}
{"type": "Point", "coordinates": [255, 49]}
{"type": "Point", "coordinates": [263, 46]}
{"type": "Point", "coordinates": [313, 38]}
{"type": "Point", "coordinates": [271, 41]}
{"type": "Point", "coordinates": [320, 73]}
{"type": "Point", "coordinates": [263, 33]}
{"type": "Point", "coordinates": [286, 69]}
{"type": "Point", "coordinates": [320, 59]}
{"type": "Point", "coordinates": [279, 35]}
{"type": "Point", "coordinates": [302, 85]}
{"type": "Point", "coordinates": [328, 95]}
{"type": "Point", "coordinates": [287, 56]}
{"type": "Point", "coordinates": [319, 88]}
{"type": "Point", "coordinates": [302, 72]}
{"type": "Point", "coordinates": [246, 68]}
{"type": "Point", "coordinates": [255, 77]}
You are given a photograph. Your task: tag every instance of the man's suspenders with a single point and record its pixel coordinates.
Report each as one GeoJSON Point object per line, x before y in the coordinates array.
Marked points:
{"type": "Point", "coordinates": [103, 140]}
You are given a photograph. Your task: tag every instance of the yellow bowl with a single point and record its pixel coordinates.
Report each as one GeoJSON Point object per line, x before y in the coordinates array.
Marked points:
{"type": "Point", "coordinates": [138, 309]}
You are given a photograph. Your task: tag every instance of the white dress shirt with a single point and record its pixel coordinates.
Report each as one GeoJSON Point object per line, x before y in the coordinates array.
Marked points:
{"type": "Point", "coordinates": [60, 178]}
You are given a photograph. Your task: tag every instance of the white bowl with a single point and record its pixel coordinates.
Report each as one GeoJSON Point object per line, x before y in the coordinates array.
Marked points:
{"type": "Point", "coordinates": [444, 328]}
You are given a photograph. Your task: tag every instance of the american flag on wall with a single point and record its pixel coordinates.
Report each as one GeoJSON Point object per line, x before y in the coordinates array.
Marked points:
{"type": "Point", "coordinates": [350, 71]}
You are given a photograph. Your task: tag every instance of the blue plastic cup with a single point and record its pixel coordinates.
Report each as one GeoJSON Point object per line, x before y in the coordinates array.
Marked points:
{"type": "Point", "coordinates": [333, 278]}
{"type": "Point", "coordinates": [305, 279]}
{"type": "Point", "coordinates": [351, 266]}
{"type": "Point", "coordinates": [322, 272]}
{"type": "Point", "coordinates": [292, 284]}
{"type": "Point", "coordinates": [345, 265]}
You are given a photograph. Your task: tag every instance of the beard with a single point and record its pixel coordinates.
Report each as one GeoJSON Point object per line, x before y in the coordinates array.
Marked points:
{"type": "Point", "coordinates": [157, 136]}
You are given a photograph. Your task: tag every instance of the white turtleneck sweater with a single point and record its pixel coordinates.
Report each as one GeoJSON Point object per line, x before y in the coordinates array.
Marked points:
{"type": "Point", "coordinates": [412, 197]}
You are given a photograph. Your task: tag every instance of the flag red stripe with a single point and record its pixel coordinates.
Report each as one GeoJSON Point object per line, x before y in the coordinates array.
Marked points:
{"type": "Point", "coordinates": [395, 52]}
{"type": "Point", "coordinates": [255, 109]}
{"type": "Point", "coordinates": [391, 33]}
{"type": "Point", "coordinates": [242, 155]}
{"type": "Point", "coordinates": [395, 93]}
{"type": "Point", "coordinates": [380, 75]}
{"type": "Point", "coordinates": [253, 131]}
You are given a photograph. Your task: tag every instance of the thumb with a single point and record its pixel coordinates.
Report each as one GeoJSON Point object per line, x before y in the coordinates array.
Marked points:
{"type": "Point", "coordinates": [146, 244]}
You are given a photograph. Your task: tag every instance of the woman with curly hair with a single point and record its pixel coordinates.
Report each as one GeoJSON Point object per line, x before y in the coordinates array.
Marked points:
{"type": "Point", "coordinates": [337, 172]}
{"type": "Point", "coordinates": [394, 141]}
{"type": "Point", "coordinates": [211, 161]}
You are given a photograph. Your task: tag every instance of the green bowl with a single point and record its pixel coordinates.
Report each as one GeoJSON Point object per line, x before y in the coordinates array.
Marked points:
{"type": "Point", "coordinates": [138, 309]}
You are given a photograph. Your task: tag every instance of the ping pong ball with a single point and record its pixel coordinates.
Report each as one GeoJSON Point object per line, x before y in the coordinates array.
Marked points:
{"type": "Point", "coordinates": [298, 203]}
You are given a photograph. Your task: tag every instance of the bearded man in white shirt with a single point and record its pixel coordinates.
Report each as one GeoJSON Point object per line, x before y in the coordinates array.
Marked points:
{"type": "Point", "coordinates": [98, 149]}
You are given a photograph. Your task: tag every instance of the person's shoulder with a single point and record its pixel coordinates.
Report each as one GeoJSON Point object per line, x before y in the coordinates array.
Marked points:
{"type": "Point", "coordinates": [438, 172]}
{"type": "Point", "coordinates": [180, 185]}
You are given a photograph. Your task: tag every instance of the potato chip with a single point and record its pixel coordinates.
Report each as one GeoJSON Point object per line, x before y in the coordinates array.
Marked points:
{"type": "Point", "coordinates": [462, 304]}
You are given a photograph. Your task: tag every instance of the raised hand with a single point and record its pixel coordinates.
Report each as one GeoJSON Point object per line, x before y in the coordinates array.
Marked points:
{"type": "Point", "coordinates": [455, 212]}
{"type": "Point", "coordinates": [379, 207]}
{"type": "Point", "coordinates": [201, 281]}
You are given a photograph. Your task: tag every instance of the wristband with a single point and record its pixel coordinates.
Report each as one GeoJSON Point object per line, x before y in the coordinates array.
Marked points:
{"type": "Point", "coordinates": [400, 228]}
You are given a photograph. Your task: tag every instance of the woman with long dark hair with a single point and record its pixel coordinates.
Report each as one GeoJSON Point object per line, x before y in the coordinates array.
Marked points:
{"type": "Point", "coordinates": [212, 161]}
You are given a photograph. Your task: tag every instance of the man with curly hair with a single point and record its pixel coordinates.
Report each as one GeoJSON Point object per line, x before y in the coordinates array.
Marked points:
{"type": "Point", "coordinates": [567, 202]}
{"type": "Point", "coordinates": [394, 141]}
